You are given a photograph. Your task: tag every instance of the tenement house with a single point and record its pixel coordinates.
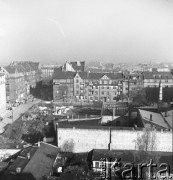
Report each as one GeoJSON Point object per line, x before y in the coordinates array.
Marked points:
{"type": "Point", "coordinates": [153, 79]}
{"type": "Point", "coordinates": [2, 94]}
{"type": "Point", "coordinates": [20, 76]}
{"type": "Point", "coordinates": [84, 86]}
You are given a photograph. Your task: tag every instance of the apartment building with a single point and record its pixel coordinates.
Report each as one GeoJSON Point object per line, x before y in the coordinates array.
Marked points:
{"type": "Point", "coordinates": [47, 71]}
{"type": "Point", "coordinates": [20, 76]}
{"type": "Point", "coordinates": [84, 86]}
{"type": "Point", "coordinates": [2, 94]}
{"type": "Point", "coordinates": [132, 82]}
{"type": "Point", "coordinates": [152, 79]}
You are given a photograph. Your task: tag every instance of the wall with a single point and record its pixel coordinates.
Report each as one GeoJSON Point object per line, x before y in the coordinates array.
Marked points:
{"type": "Point", "coordinates": [85, 140]}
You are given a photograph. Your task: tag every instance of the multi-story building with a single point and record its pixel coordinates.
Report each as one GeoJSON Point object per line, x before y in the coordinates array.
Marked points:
{"type": "Point", "coordinates": [47, 71]}
{"type": "Point", "coordinates": [132, 82]}
{"type": "Point", "coordinates": [2, 94]}
{"type": "Point", "coordinates": [78, 66]}
{"type": "Point", "coordinates": [84, 86]}
{"type": "Point", "coordinates": [153, 79]}
{"type": "Point", "coordinates": [20, 76]}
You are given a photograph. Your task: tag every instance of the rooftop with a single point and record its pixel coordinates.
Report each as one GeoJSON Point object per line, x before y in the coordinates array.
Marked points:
{"type": "Point", "coordinates": [157, 118]}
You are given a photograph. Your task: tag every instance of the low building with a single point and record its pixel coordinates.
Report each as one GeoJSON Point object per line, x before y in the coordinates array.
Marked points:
{"type": "Point", "coordinates": [33, 162]}
{"type": "Point", "coordinates": [2, 94]}
{"type": "Point", "coordinates": [155, 119]}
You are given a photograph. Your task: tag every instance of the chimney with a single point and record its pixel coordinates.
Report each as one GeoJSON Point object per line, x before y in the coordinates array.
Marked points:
{"type": "Point", "coordinates": [28, 155]}
{"type": "Point", "coordinates": [166, 113]}
{"type": "Point", "coordinates": [38, 143]}
{"type": "Point", "coordinates": [151, 117]}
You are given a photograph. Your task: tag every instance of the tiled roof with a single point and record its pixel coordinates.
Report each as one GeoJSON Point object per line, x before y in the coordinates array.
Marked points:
{"type": "Point", "coordinates": [83, 75]}
{"type": "Point", "coordinates": [157, 119]}
{"type": "Point", "coordinates": [42, 161]}
{"type": "Point", "coordinates": [10, 69]}
{"type": "Point", "coordinates": [22, 67]}
{"type": "Point", "coordinates": [109, 75]}
{"type": "Point", "coordinates": [59, 74]}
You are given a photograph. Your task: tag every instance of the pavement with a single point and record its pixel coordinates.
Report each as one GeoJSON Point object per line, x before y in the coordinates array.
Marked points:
{"type": "Point", "coordinates": [17, 111]}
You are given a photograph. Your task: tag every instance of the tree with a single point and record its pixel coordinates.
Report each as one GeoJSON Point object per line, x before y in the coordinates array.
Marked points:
{"type": "Point", "coordinates": [68, 146]}
{"type": "Point", "coordinates": [139, 97]}
{"type": "Point", "coordinates": [145, 145]}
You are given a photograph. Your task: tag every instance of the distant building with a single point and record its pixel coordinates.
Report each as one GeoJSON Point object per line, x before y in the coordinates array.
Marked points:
{"type": "Point", "coordinates": [20, 76]}
{"type": "Point", "coordinates": [152, 79]}
{"type": "Point", "coordinates": [2, 94]}
{"type": "Point", "coordinates": [132, 82]}
{"type": "Point", "coordinates": [47, 71]}
{"type": "Point", "coordinates": [78, 66]}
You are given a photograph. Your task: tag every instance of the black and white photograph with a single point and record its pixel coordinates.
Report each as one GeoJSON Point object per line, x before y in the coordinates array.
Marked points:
{"type": "Point", "coordinates": [86, 89]}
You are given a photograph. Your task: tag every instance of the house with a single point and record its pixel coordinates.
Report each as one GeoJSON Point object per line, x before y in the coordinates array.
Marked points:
{"type": "Point", "coordinates": [2, 94]}
{"type": "Point", "coordinates": [34, 162]}
{"type": "Point", "coordinates": [155, 119]}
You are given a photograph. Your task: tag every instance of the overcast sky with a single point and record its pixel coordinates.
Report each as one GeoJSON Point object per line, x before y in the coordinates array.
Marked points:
{"type": "Point", "coordinates": [53, 31]}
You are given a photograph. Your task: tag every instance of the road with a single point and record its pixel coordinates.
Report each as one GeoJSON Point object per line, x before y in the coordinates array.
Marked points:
{"type": "Point", "coordinates": [17, 111]}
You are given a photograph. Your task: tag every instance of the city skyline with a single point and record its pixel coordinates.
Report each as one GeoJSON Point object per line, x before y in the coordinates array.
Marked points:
{"type": "Point", "coordinates": [107, 31]}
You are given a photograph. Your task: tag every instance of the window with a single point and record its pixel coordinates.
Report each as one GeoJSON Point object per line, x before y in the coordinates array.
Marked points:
{"type": "Point", "coordinates": [102, 92]}
{"type": "Point", "coordinates": [97, 164]}
{"type": "Point", "coordinates": [77, 92]}
{"type": "Point", "coordinates": [77, 86]}
{"type": "Point", "coordinates": [108, 87]}
{"type": "Point", "coordinates": [102, 87]}
{"type": "Point", "coordinates": [107, 93]}
{"type": "Point", "coordinates": [77, 80]}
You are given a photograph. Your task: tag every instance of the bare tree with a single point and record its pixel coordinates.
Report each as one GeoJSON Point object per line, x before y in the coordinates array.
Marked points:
{"type": "Point", "coordinates": [68, 146]}
{"type": "Point", "coordinates": [145, 147]}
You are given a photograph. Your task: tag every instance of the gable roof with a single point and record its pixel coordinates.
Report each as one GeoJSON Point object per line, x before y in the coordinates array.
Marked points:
{"type": "Point", "coordinates": [10, 69]}
{"type": "Point", "coordinates": [42, 161]}
{"type": "Point", "coordinates": [59, 74]}
{"type": "Point", "coordinates": [112, 76]}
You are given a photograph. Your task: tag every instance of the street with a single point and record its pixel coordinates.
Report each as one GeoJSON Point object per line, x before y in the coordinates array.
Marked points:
{"type": "Point", "coordinates": [17, 111]}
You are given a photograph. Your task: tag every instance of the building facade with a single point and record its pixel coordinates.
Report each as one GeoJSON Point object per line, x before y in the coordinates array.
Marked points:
{"type": "Point", "coordinates": [153, 79]}
{"type": "Point", "coordinates": [2, 94]}
{"type": "Point", "coordinates": [84, 86]}
{"type": "Point", "coordinates": [20, 77]}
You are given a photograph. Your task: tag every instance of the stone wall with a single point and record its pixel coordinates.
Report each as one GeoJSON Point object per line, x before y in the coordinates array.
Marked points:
{"type": "Point", "coordinates": [84, 140]}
